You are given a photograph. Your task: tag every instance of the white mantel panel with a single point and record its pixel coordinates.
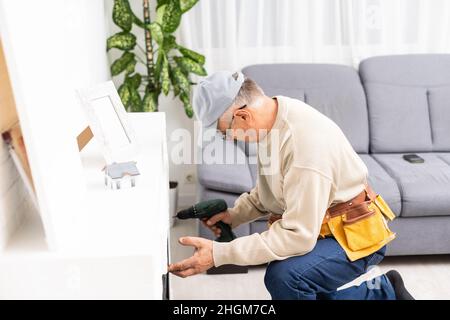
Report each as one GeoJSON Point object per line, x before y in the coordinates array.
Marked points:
{"type": "Point", "coordinates": [129, 220]}
{"type": "Point", "coordinates": [52, 48]}
{"type": "Point", "coordinates": [103, 243]}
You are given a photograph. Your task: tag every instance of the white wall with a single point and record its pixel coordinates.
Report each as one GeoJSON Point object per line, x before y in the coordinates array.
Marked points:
{"type": "Point", "coordinates": [176, 118]}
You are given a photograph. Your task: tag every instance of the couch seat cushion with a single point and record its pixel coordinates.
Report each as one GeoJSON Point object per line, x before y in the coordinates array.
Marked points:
{"type": "Point", "coordinates": [224, 167]}
{"type": "Point", "coordinates": [383, 183]}
{"type": "Point", "coordinates": [235, 178]}
{"type": "Point", "coordinates": [444, 156]}
{"type": "Point", "coordinates": [424, 187]}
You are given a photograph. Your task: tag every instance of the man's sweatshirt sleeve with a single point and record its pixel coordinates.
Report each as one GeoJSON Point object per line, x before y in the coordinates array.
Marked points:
{"type": "Point", "coordinates": [307, 194]}
{"type": "Point", "coordinates": [247, 208]}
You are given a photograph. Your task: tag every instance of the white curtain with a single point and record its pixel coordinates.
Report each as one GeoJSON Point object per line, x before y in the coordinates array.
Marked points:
{"type": "Point", "coordinates": [236, 33]}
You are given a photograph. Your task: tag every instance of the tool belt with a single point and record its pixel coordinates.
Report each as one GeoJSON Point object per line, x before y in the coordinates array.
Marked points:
{"type": "Point", "coordinates": [358, 225]}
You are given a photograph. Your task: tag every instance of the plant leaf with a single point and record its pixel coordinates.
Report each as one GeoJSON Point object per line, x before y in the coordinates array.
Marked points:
{"type": "Point", "coordinates": [160, 3]}
{"type": "Point", "coordinates": [130, 67]}
{"type": "Point", "coordinates": [135, 100]}
{"type": "Point", "coordinates": [165, 78]}
{"type": "Point", "coordinates": [138, 21]}
{"type": "Point", "coordinates": [160, 10]}
{"type": "Point", "coordinates": [122, 40]}
{"type": "Point", "coordinates": [169, 43]}
{"type": "Point", "coordinates": [184, 97]}
{"type": "Point", "coordinates": [156, 32]}
{"type": "Point", "coordinates": [192, 54]}
{"type": "Point", "coordinates": [134, 82]}
{"type": "Point", "coordinates": [124, 94]}
{"type": "Point", "coordinates": [176, 88]}
{"type": "Point", "coordinates": [186, 5]}
{"type": "Point", "coordinates": [149, 103]}
{"type": "Point", "coordinates": [190, 65]}
{"type": "Point", "coordinates": [122, 63]}
{"type": "Point", "coordinates": [158, 65]}
{"type": "Point", "coordinates": [122, 15]}
{"type": "Point", "coordinates": [181, 80]}
{"type": "Point", "coordinates": [171, 17]}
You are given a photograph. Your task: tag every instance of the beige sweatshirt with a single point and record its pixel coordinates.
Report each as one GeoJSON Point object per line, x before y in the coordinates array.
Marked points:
{"type": "Point", "coordinates": [305, 165]}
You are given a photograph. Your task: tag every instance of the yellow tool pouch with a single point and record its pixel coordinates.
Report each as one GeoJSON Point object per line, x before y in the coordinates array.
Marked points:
{"type": "Point", "coordinates": [360, 225]}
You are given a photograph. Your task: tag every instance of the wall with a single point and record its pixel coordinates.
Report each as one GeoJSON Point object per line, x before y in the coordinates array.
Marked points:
{"type": "Point", "coordinates": [176, 117]}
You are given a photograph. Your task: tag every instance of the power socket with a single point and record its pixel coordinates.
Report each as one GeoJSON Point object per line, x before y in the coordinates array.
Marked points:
{"type": "Point", "coordinates": [190, 178]}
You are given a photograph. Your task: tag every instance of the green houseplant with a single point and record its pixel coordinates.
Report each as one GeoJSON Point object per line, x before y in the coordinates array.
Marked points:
{"type": "Point", "coordinates": [168, 65]}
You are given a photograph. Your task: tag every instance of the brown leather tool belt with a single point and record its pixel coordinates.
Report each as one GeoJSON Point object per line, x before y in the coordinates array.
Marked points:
{"type": "Point", "coordinates": [366, 195]}
{"type": "Point", "coordinates": [358, 225]}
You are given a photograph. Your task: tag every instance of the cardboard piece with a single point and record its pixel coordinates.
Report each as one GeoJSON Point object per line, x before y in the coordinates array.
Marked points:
{"type": "Point", "coordinates": [9, 121]}
{"type": "Point", "coordinates": [8, 114]}
{"type": "Point", "coordinates": [84, 137]}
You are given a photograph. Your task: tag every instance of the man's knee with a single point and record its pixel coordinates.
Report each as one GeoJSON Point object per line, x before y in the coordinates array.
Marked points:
{"type": "Point", "coordinates": [271, 276]}
{"type": "Point", "coordinates": [276, 273]}
{"type": "Point", "coordinates": [281, 281]}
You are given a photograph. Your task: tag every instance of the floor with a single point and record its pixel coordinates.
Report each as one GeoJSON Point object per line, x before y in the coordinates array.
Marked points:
{"type": "Point", "coordinates": [426, 277]}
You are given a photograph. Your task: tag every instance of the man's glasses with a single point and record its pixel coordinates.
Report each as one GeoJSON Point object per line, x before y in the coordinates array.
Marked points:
{"type": "Point", "coordinates": [224, 134]}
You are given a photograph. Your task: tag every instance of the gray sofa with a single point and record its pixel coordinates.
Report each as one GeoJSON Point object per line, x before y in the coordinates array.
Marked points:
{"type": "Point", "coordinates": [393, 105]}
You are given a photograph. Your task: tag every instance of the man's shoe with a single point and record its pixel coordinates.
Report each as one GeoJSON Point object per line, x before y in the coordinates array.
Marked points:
{"type": "Point", "coordinates": [399, 287]}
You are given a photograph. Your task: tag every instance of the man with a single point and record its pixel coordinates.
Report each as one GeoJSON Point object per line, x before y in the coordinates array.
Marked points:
{"type": "Point", "coordinates": [312, 171]}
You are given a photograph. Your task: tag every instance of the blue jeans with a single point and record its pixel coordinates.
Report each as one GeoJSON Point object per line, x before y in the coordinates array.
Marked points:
{"type": "Point", "coordinates": [317, 274]}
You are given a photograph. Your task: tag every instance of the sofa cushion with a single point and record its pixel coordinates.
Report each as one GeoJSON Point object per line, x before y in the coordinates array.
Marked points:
{"type": "Point", "coordinates": [408, 102]}
{"type": "Point", "coordinates": [439, 104]}
{"type": "Point", "coordinates": [444, 156]}
{"type": "Point", "coordinates": [250, 149]}
{"type": "Point", "coordinates": [334, 90]}
{"type": "Point", "coordinates": [254, 172]}
{"type": "Point", "coordinates": [225, 167]}
{"type": "Point", "coordinates": [421, 235]}
{"type": "Point", "coordinates": [383, 183]}
{"type": "Point", "coordinates": [424, 187]}
{"type": "Point", "coordinates": [258, 226]}
{"type": "Point", "coordinates": [405, 107]}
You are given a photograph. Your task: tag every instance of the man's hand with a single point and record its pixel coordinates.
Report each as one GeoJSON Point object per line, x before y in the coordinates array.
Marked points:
{"type": "Point", "coordinates": [201, 261]}
{"type": "Point", "coordinates": [223, 216]}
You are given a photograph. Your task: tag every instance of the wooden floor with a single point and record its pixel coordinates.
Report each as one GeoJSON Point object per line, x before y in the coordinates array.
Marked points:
{"type": "Point", "coordinates": [426, 277]}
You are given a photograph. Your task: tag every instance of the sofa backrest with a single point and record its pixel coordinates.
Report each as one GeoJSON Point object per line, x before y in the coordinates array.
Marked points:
{"type": "Point", "coordinates": [408, 99]}
{"type": "Point", "coordinates": [334, 90]}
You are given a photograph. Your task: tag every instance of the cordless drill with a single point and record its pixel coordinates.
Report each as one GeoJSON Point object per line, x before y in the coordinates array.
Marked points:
{"type": "Point", "coordinates": [207, 209]}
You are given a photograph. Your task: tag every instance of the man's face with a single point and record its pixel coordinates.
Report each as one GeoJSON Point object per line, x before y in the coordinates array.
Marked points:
{"type": "Point", "coordinates": [239, 125]}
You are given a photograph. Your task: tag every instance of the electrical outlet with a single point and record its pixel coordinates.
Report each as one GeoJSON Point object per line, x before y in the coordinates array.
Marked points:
{"type": "Point", "coordinates": [190, 178]}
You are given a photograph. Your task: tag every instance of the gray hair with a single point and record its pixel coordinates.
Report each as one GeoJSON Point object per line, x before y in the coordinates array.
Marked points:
{"type": "Point", "coordinates": [248, 93]}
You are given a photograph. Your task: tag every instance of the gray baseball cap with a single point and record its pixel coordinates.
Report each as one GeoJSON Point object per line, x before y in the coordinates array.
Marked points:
{"type": "Point", "coordinates": [214, 95]}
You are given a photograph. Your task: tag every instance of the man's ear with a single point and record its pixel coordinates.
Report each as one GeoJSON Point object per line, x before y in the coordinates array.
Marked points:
{"type": "Point", "coordinates": [243, 114]}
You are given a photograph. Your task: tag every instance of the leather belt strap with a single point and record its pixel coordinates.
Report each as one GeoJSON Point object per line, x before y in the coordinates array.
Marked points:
{"type": "Point", "coordinates": [274, 217]}
{"type": "Point", "coordinates": [366, 195]}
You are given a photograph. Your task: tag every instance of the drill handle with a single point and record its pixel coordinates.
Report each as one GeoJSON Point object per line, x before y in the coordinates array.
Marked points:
{"type": "Point", "coordinates": [226, 234]}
